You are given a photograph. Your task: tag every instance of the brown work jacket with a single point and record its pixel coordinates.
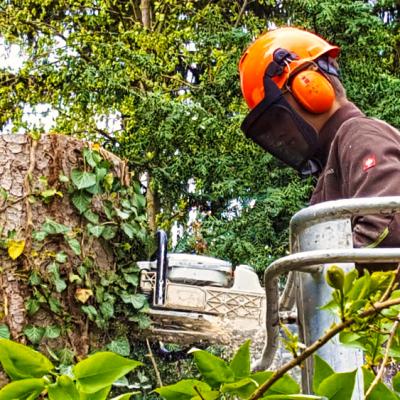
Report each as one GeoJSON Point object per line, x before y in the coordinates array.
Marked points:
{"type": "Point", "coordinates": [362, 159]}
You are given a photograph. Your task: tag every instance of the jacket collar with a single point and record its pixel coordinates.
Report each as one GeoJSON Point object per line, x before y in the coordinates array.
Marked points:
{"type": "Point", "coordinates": [329, 130]}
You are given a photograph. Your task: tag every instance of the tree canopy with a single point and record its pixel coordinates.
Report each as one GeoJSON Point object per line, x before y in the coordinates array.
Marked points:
{"type": "Point", "coordinates": [157, 83]}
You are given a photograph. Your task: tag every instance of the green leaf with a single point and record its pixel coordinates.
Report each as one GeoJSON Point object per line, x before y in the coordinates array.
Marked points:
{"type": "Point", "coordinates": [22, 389]}
{"type": "Point", "coordinates": [137, 300]}
{"type": "Point", "coordinates": [95, 230]}
{"type": "Point", "coordinates": [122, 214]}
{"type": "Point", "coordinates": [183, 390]}
{"type": "Point", "coordinates": [90, 311]}
{"type": "Point", "coordinates": [125, 396]}
{"type": "Point", "coordinates": [129, 229]}
{"type": "Point", "coordinates": [238, 386]}
{"type": "Point", "coordinates": [214, 370]}
{"type": "Point", "coordinates": [81, 201]}
{"type": "Point", "coordinates": [51, 227]}
{"type": "Point", "coordinates": [82, 179]}
{"type": "Point", "coordinates": [322, 370]}
{"type": "Point", "coordinates": [91, 157]}
{"type": "Point", "coordinates": [240, 363]}
{"type": "Point", "coordinates": [380, 392]}
{"type": "Point", "coordinates": [91, 216]}
{"type": "Point", "coordinates": [109, 232]}
{"type": "Point", "coordinates": [4, 331]}
{"type": "Point", "coordinates": [338, 386]}
{"type": "Point", "coordinates": [101, 369]}
{"type": "Point", "coordinates": [120, 346]}
{"type": "Point", "coordinates": [52, 331]}
{"type": "Point", "coordinates": [55, 305]}
{"type": "Point", "coordinates": [294, 397]}
{"type": "Point", "coordinates": [360, 288]}
{"type": "Point", "coordinates": [61, 257]}
{"type": "Point", "coordinates": [74, 245]}
{"type": "Point", "coordinates": [39, 235]}
{"type": "Point", "coordinates": [396, 382]}
{"type": "Point", "coordinates": [100, 395]}
{"type": "Point", "coordinates": [107, 310]}
{"type": "Point", "coordinates": [133, 279]}
{"type": "Point", "coordinates": [64, 389]}
{"type": "Point", "coordinates": [349, 279]}
{"type": "Point", "coordinates": [21, 362]}
{"type": "Point", "coordinates": [34, 333]}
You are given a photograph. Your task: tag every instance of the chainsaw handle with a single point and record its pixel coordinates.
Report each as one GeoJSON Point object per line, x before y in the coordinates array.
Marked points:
{"type": "Point", "coordinates": [162, 268]}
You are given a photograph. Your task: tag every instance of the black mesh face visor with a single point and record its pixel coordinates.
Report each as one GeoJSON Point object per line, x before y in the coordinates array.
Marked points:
{"type": "Point", "coordinates": [278, 129]}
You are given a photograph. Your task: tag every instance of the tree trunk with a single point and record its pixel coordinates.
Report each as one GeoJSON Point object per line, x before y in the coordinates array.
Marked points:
{"type": "Point", "coordinates": [27, 168]}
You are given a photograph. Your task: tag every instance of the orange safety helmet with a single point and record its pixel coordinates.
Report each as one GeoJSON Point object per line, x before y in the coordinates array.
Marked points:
{"type": "Point", "coordinates": [310, 88]}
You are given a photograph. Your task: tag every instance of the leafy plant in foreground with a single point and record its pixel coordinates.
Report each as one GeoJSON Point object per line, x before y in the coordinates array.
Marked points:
{"type": "Point", "coordinates": [33, 375]}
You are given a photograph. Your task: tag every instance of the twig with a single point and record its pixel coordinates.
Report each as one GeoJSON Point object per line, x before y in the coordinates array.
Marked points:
{"type": "Point", "coordinates": [198, 392]}
{"type": "Point", "coordinates": [153, 361]}
{"type": "Point", "coordinates": [318, 344]}
{"type": "Point", "coordinates": [9, 203]}
{"type": "Point", "coordinates": [384, 362]}
{"type": "Point", "coordinates": [241, 12]}
{"type": "Point", "coordinates": [28, 191]}
{"type": "Point", "coordinates": [394, 281]}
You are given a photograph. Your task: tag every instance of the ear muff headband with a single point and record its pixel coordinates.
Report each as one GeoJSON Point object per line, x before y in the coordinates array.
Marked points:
{"type": "Point", "coordinates": [313, 91]}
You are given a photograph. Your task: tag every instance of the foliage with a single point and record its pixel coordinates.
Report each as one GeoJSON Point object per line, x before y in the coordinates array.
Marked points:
{"type": "Point", "coordinates": [34, 376]}
{"type": "Point", "coordinates": [368, 307]}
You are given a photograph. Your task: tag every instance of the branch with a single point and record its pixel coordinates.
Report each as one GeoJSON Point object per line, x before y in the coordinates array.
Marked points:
{"type": "Point", "coordinates": [153, 361]}
{"type": "Point", "coordinates": [375, 308]}
{"type": "Point", "coordinates": [241, 12]}
{"type": "Point", "coordinates": [385, 360]}
{"type": "Point", "coordinates": [393, 283]}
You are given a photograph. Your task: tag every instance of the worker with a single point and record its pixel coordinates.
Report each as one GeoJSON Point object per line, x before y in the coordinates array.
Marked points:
{"type": "Point", "coordinates": [300, 114]}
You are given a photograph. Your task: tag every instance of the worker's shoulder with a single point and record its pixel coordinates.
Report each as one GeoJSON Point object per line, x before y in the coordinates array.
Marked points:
{"type": "Point", "coordinates": [366, 128]}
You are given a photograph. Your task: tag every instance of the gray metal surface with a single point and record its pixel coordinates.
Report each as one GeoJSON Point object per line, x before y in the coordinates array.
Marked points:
{"type": "Point", "coordinates": [321, 227]}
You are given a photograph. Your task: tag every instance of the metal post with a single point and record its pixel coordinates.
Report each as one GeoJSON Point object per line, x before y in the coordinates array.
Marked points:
{"type": "Point", "coordinates": [313, 292]}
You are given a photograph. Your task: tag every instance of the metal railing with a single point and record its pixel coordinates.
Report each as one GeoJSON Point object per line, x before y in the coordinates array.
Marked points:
{"type": "Point", "coordinates": [313, 249]}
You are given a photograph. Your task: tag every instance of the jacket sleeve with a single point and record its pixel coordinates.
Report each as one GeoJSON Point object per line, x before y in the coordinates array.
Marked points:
{"type": "Point", "coordinates": [370, 161]}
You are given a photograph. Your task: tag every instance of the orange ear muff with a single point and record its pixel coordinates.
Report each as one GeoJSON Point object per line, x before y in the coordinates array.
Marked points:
{"type": "Point", "coordinates": [313, 91]}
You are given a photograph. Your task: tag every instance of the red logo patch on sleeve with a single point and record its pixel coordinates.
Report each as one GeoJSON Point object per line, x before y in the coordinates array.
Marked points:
{"type": "Point", "coordinates": [369, 162]}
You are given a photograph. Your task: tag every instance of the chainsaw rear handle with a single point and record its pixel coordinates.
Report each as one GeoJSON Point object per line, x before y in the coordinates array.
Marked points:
{"type": "Point", "coordinates": [162, 268]}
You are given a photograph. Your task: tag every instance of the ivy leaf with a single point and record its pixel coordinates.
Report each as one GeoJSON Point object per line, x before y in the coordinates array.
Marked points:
{"type": "Point", "coordinates": [91, 216]}
{"type": "Point", "coordinates": [21, 362]}
{"type": "Point", "coordinates": [109, 232]}
{"type": "Point", "coordinates": [54, 305]}
{"type": "Point", "coordinates": [39, 235]}
{"type": "Point", "coordinates": [83, 295]}
{"type": "Point", "coordinates": [91, 157]}
{"type": "Point", "coordinates": [81, 201]}
{"type": "Point", "coordinates": [107, 310]}
{"type": "Point", "coordinates": [90, 311]}
{"type": "Point", "coordinates": [129, 229]}
{"type": "Point", "coordinates": [15, 248]}
{"type": "Point", "coordinates": [74, 244]}
{"type": "Point", "coordinates": [132, 279]}
{"type": "Point", "coordinates": [120, 346]}
{"type": "Point", "coordinates": [32, 306]}
{"type": "Point", "coordinates": [52, 332]}
{"type": "Point", "coordinates": [4, 331]}
{"type": "Point", "coordinates": [137, 300]}
{"type": "Point", "coordinates": [61, 257]}
{"type": "Point", "coordinates": [101, 369]}
{"type": "Point", "coordinates": [51, 227]}
{"type": "Point", "coordinates": [34, 333]}
{"type": "Point", "coordinates": [82, 180]}
{"type": "Point", "coordinates": [95, 230]}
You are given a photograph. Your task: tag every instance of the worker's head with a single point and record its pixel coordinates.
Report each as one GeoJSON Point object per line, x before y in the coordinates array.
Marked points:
{"type": "Point", "coordinates": [289, 79]}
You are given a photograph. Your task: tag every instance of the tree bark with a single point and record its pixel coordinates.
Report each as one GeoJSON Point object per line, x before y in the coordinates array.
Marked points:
{"type": "Point", "coordinates": [23, 164]}
{"type": "Point", "coordinates": [146, 13]}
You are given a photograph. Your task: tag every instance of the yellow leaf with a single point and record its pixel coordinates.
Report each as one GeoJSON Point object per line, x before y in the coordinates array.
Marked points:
{"type": "Point", "coordinates": [83, 295]}
{"type": "Point", "coordinates": [95, 147]}
{"type": "Point", "coordinates": [15, 248]}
